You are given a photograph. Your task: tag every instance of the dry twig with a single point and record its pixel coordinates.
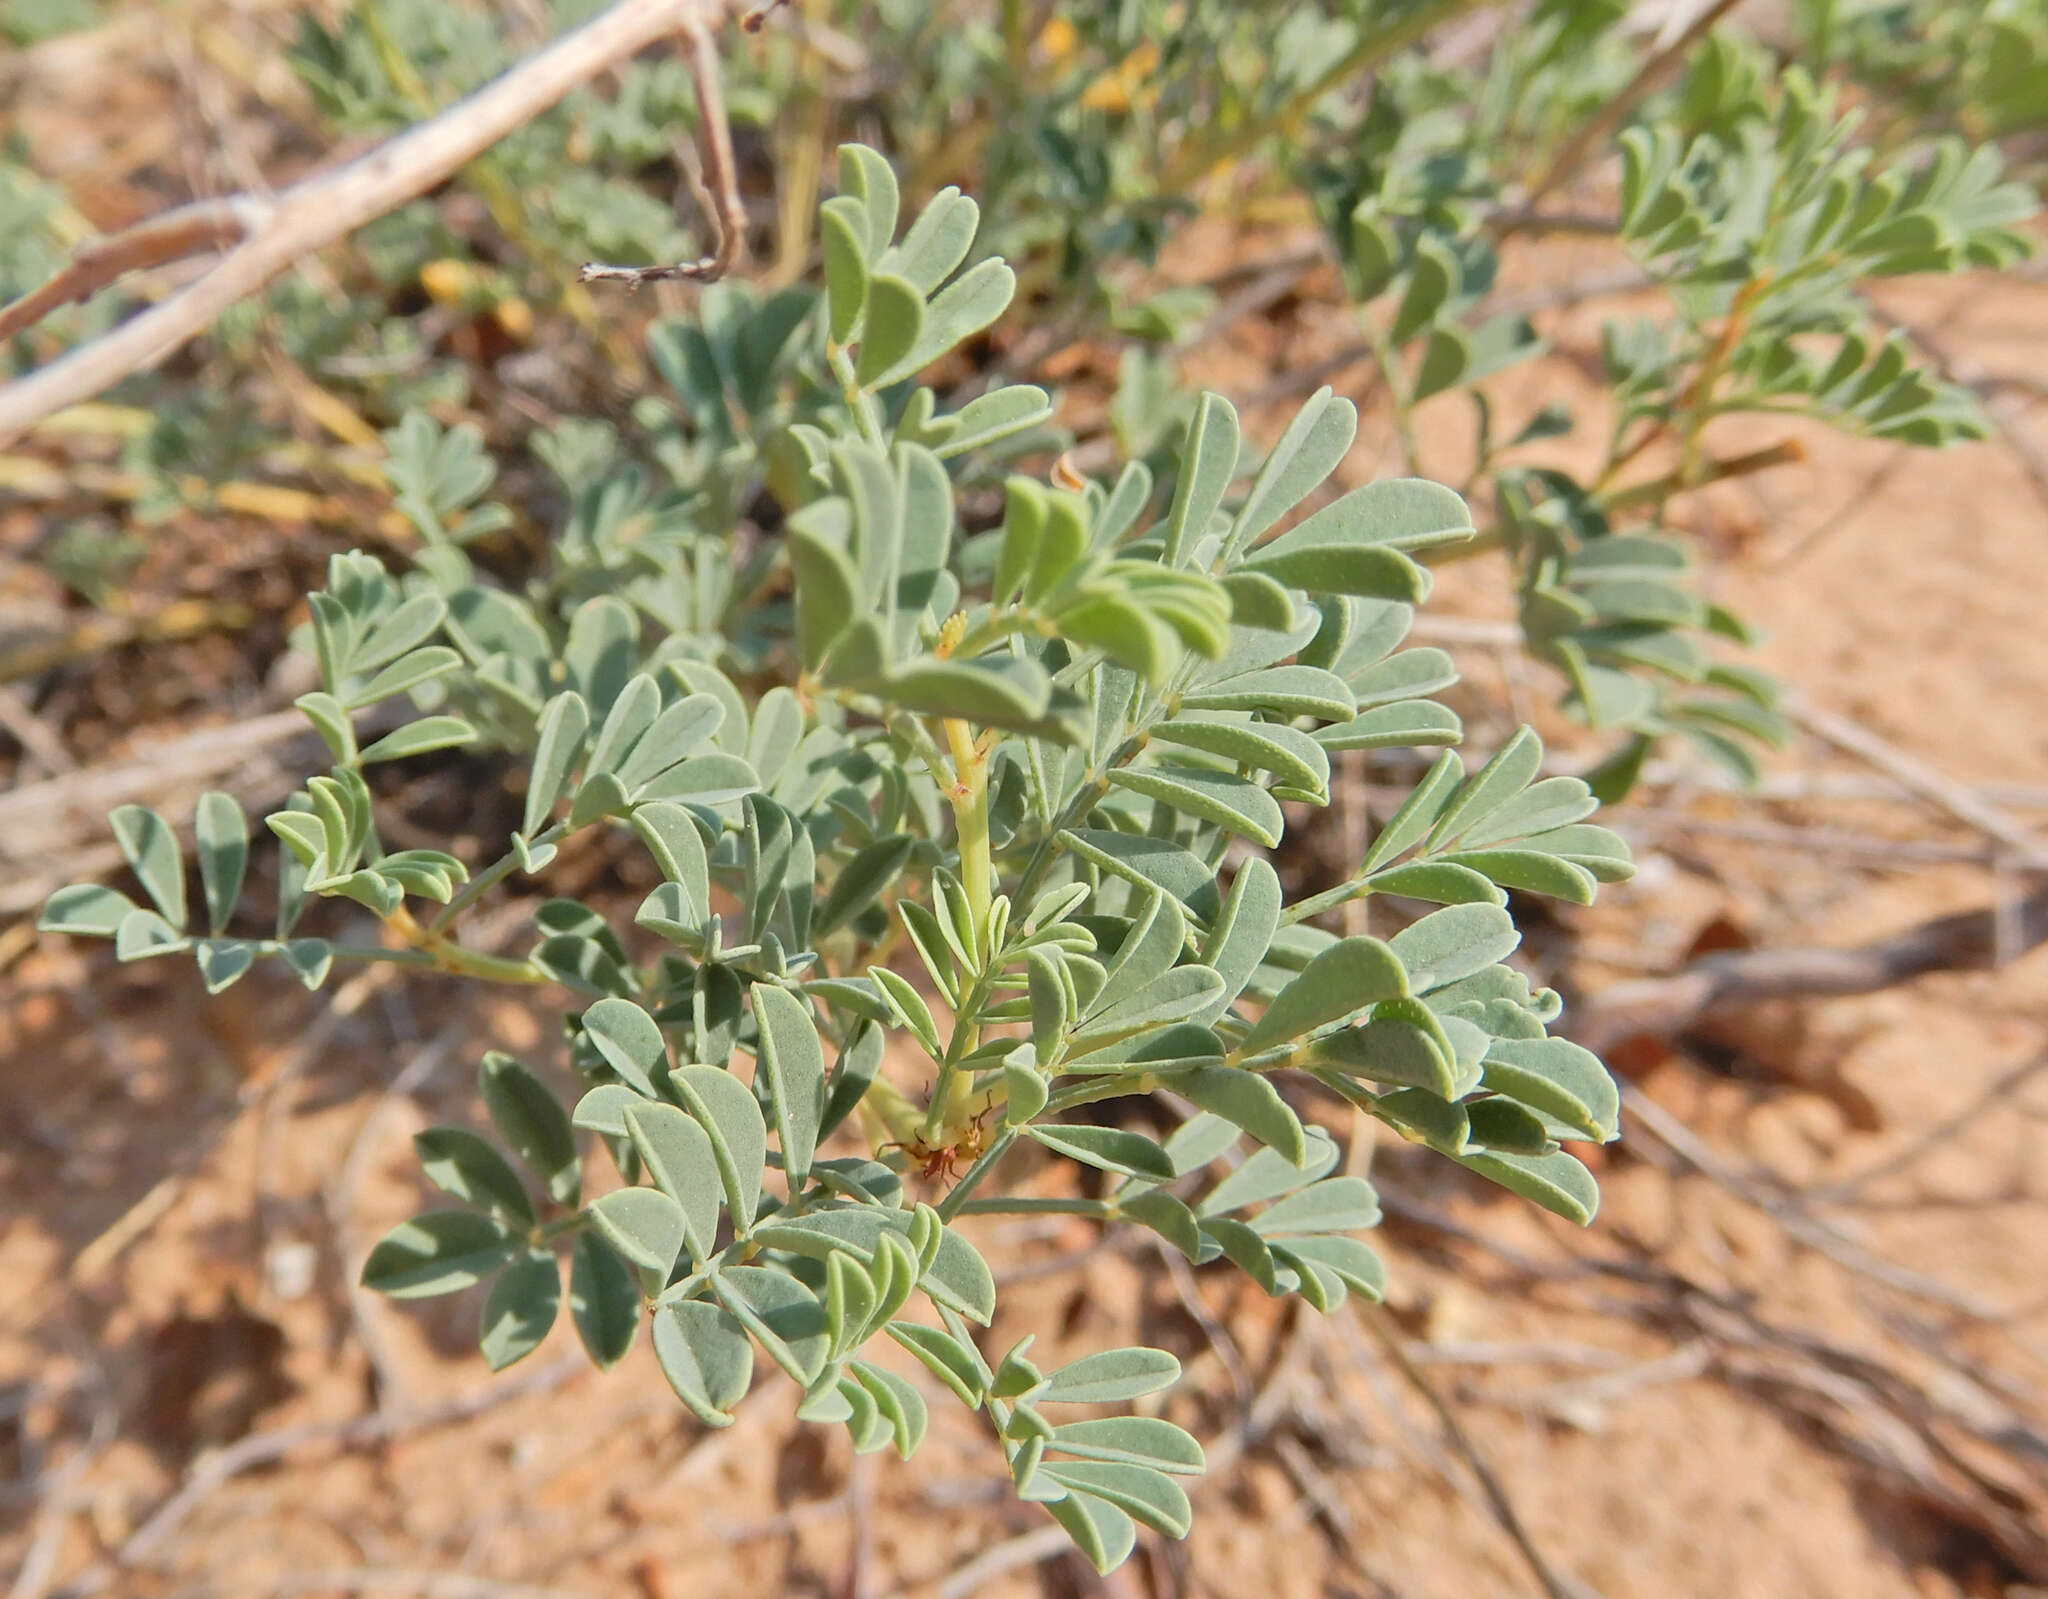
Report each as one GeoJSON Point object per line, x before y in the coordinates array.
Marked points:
{"type": "Point", "coordinates": [1919, 778]}
{"type": "Point", "coordinates": [718, 191]}
{"type": "Point", "coordinates": [271, 234]}
{"type": "Point", "coordinates": [1664, 1006]}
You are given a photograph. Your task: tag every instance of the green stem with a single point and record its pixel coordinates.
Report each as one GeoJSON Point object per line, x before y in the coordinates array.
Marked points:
{"type": "Point", "coordinates": [446, 957]}
{"type": "Point", "coordinates": [857, 401]}
{"type": "Point", "coordinates": [1696, 405]}
{"type": "Point", "coordinates": [487, 879]}
{"type": "Point", "coordinates": [1038, 1207]}
{"type": "Point", "coordinates": [970, 816]}
{"type": "Point", "coordinates": [1328, 900]}
{"type": "Point", "coordinates": [1016, 37]}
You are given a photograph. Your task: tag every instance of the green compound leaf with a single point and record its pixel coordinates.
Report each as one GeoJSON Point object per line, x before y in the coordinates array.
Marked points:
{"type": "Point", "coordinates": [1308, 452]}
{"type": "Point", "coordinates": [221, 839]}
{"type": "Point", "coordinates": [1208, 461]}
{"type": "Point", "coordinates": [1454, 942]}
{"type": "Point", "coordinates": [1110, 1377]}
{"type": "Point", "coordinates": [1343, 979]}
{"type": "Point", "coordinates": [952, 1360]}
{"type": "Point", "coordinates": [1110, 1148]}
{"type": "Point", "coordinates": [784, 1316]}
{"type": "Point", "coordinates": [1557, 1181]}
{"type": "Point", "coordinates": [1233, 803]}
{"type": "Point", "coordinates": [895, 319]}
{"type": "Point", "coordinates": [429, 733]}
{"type": "Point", "coordinates": [731, 1116]}
{"type": "Point", "coordinates": [89, 910]}
{"type": "Point", "coordinates": [1131, 1440]}
{"type": "Point", "coordinates": [1103, 1533]}
{"type": "Point", "coordinates": [901, 1405]}
{"type": "Point", "coordinates": [862, 881]}
{"type": "Point", "coordinates": [1248, 1100]}
{"type": "Point", "coordinates": [1139, 1491]}
{"type": "Point", "coordinates": [842, 233]}
{"type": "Point", "coordinates": [1559, 1079]}
{"type": "Point", "coordinates": [627, 1038]}
{"type": "Point", "coordinates": [677, 1154]}
{"type": "Point", "coordinates": [643, 1224]}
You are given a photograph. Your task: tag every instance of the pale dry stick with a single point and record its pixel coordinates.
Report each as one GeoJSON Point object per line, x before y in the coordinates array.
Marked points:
{"type": "Point", "coordinates": [1026, 1549]}
{"type": "Point", "coordinates": [1190, 1293]}
{"type": "Point", "coordinates": [1864, 494]}
{"type": "Point", "coordinates": [187, 230]}
{"type": "Point", "coordinates": [718, 191]}
{"type": "Point", "coordinates": [1921, 779]}
{"type": "Point", "coordinates": [328, 206]}
{"type": "Point", "coordinates": [1319, 1500]}
{"type": "Point", "coordinates": [39, 743]}
{"type": "Point", "coordinates": [1582, 1402]}
{"type": "Point", "coordinates": [1666, 1006]}
{"type": "Point", "coordinates": [1874, 847]}
{"type": "Point", "coordinates": [55, 1497]}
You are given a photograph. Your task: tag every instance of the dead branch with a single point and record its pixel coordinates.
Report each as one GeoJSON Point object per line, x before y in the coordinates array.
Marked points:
{"type": "Point", "coordinates": [1663, 1007]}
{"type": "Point", "coordinates": [187, 230]}
{"type": "Point", "coordinates": [718, 191]}
{"type": "Point", "coordinates": [271, 235]}
{"type": "Point", "coordinates": [1769, 1195]}
{"type": "Point", "coordinates": [1921, 779]}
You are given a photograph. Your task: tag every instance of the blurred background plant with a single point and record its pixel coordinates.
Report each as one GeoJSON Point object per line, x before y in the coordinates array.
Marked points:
{"type": "Point", "coordinates": [1432, 138]}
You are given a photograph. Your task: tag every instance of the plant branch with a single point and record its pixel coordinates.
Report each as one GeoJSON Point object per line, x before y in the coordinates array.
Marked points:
{"type": "Point", "coordinates": [322, 209]}
{"type": "Point", "coordinates": [1701, 472]}
{"type": "Point", "coordinates": [186, 230]}
{"type": "Point", "coordinates": [718, 192]}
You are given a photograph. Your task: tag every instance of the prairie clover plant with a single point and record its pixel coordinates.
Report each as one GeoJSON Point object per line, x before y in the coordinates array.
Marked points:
{"type": "Point", "coordinates": [988, 807]}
